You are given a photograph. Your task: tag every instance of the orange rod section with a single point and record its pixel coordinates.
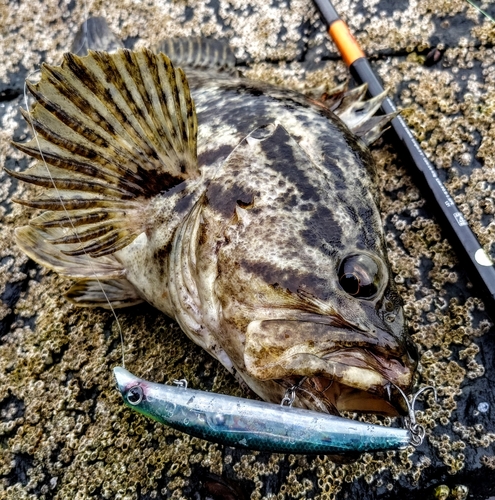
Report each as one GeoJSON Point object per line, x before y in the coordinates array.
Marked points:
{"type": "Point", "coordinates": [346, 43]}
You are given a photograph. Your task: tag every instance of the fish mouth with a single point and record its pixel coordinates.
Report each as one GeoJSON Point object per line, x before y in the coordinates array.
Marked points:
{"type": "Point", "coordinates": [333, 369]}
{"type": "Point", "coordinates": [366, 392]}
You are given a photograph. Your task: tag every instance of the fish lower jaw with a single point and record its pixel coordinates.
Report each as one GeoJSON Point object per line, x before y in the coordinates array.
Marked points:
{"type": "Point", "coordinates": [353, 389]}
{"type": "Point", "coordinates": [344, 370]}
{"type": "Point", "coordinates": [343, 395]}
{"type": "Point", "coordinates": [339, 383]}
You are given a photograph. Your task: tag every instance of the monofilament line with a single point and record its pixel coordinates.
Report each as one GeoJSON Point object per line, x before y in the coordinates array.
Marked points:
{"type": "Point", "coordinates": [479, 9]}
{"type": "Point", "coordinates": [69, 217]}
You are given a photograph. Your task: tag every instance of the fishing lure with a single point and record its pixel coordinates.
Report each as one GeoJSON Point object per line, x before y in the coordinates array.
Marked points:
{"type": "Point", "coordinates": [256, 425]}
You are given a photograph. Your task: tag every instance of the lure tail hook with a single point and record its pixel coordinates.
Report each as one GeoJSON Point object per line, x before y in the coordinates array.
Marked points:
{"type": "Point", "coordinates": [417, 431]}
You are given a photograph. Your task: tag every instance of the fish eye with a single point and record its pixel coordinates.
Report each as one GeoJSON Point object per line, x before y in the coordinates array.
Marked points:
{"type": "Point", "coordinates": [135, 395]}
{"type": "Point", "coordinates": [359, 276]}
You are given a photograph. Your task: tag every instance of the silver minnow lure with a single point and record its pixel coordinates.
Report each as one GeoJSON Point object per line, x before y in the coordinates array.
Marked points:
{"type": "Point", "coordinates": [255, 425]}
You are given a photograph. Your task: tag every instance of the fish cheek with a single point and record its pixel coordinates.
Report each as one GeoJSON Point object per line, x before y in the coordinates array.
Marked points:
{"type": "Point", "coordinates": [392, 312]}
{"type": "Point", "coordinates": [243, 296]}
{"type": "Point", "coordinates": [272, 345]}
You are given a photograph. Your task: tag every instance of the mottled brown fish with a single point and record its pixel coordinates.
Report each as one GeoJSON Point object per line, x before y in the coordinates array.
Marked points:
{"type": "Point", "coordinates": [246, 212]}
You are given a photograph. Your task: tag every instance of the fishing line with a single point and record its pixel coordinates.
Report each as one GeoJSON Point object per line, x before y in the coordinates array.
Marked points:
{"type": "Point", "coordinates": [91, 266]}
{"type": "Point", "coordinates": [479, 9]}
{"type": "Point", "coordinates": [84, 28]}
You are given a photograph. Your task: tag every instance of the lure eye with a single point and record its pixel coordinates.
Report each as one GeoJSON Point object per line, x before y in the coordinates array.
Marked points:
{"type": "Point", "coordinates": [359, 276]}
{"type": "Point", "coordinates": [135, 395]}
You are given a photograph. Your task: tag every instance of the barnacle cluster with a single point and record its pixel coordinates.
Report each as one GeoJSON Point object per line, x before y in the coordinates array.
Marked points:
{"type": "Point", "coordinates": [63, 428]}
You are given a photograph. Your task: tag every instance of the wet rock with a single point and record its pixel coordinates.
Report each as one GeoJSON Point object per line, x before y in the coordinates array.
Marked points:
{"type": "Point", "coordinates": [64, 430]}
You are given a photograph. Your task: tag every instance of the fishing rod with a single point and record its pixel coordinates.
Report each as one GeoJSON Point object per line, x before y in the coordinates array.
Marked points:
{"type": "Point", "coordinates": [480, 267]}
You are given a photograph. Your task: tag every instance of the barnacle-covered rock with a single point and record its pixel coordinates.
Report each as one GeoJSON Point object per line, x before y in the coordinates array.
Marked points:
{"type": "Point", "coordinates": [65, 431]}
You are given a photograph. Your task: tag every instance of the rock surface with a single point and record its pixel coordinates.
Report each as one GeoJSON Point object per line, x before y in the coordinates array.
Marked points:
{"type": "Point", "coordinates": [64, 431]}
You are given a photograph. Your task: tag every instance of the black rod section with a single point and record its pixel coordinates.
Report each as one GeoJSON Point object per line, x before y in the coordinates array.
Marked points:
{"type": "Point", "coordinates": [479, 265]}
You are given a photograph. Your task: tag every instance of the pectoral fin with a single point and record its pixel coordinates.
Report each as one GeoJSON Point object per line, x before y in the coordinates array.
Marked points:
{"type": "Point", "coordinates": [112, 132]}
{"type": "Point", "coordinates": [35, 243]}
{"type": "Point", "coordinates": [98, 293]}
{"type": "Point", "coordinates": [102, 280]}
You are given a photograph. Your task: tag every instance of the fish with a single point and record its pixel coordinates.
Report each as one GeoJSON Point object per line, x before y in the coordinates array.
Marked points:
{"type": "Point", "coordinates": [246, 212]}
{"type": "Point", "coordinates": [255, 425]}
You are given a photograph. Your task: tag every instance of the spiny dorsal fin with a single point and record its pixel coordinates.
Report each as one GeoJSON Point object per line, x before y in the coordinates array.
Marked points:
{"type": "Point", "coordinates": [198, 53]}
{"type": "Point", "coordinates": [116, 130]}
{"type": "Point", "coordinates": [357, 112]}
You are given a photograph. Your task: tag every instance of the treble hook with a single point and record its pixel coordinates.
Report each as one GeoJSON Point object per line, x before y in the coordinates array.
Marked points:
{"type": "Point", "coordinates": [417, 430]}
{"type": "Point", "coordinates": [290, 394]}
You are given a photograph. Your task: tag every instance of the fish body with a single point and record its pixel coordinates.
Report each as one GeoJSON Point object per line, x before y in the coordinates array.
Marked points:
{"type": "Point", "coordinates": [246, 212]}
{"type": "Point", "coordinates": [255, 425]}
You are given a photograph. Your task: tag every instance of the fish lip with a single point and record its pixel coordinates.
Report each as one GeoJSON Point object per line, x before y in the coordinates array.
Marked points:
{"type": "Point", "coordinates": [377, 401]}
{"type": "Point", "coordinates": [380, 394]}
{"type": "Point", "coordinates": [359, 363]}
{"type": "Point", "coordinates": [375, 362]}
{"type": "Point", "coordinates": [328, 392]}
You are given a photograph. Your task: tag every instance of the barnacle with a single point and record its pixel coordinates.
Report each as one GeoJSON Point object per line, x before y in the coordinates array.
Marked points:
{"type": "Point", "coordinates": [61, 417]}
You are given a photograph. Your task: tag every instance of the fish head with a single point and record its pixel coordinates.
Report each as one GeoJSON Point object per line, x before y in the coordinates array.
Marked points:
{"type": "Point", "coordinates": [305, 289]}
